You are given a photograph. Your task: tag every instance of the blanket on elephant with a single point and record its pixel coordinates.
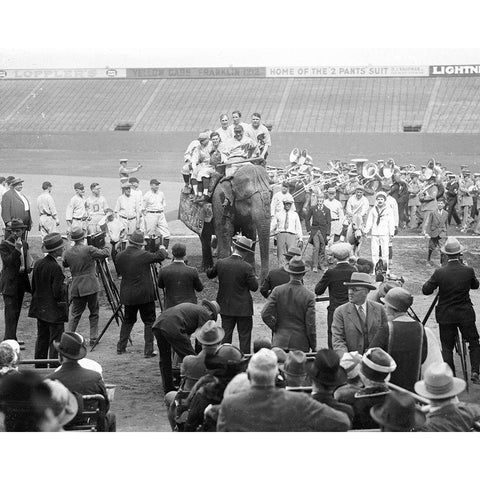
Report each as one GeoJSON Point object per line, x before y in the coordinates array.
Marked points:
{"type": "Point", "coordinates": [249, 179]}
{"type": "Point", "coordinates": [194, 215]}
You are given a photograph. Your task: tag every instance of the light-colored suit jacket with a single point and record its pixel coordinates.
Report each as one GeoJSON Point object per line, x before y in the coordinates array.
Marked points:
{"type": "Point", "coordinates": [347, 331]}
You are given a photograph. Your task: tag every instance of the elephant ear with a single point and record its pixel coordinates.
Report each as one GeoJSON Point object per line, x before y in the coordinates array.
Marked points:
{"type": "Point", "coordinates": [248, 180]}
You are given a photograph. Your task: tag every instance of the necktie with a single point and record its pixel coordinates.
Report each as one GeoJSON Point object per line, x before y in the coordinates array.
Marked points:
{"type": "Point", "coordinates": [361, 314]}
{"type": "Point", "coordinates": [285, 227]}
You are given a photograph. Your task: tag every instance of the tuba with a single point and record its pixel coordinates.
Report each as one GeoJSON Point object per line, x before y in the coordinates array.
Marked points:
{"type": "Point", "coordinates": [370, 170]}
{"type": "Point", "coordinates": [359, 163]}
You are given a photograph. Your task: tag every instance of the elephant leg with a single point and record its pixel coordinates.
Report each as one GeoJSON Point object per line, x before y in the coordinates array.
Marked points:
{"type": "Point", "coordinates": [261, 221]}
{"type": "Point", "coordinates": [205, 238]}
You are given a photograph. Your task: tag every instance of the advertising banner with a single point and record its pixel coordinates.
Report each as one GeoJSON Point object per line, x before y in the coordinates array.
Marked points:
{"type": "Point", "coordinates": [345, 71]}
{"type": "Point", "coordinates": [197, 72]}
{"type": "Point", "coordinates": [61, 73]}
{"type": "Point", "coordinates": [455, 70]}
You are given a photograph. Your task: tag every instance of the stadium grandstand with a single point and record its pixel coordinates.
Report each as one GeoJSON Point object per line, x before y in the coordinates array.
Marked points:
{"type": "Point", "coordinates": [442, 104]}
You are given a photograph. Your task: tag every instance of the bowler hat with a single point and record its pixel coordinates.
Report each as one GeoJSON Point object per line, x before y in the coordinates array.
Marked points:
{"type": "Point", "coordinates": [452, 247]}
{"type": "Point", "coordinates": [296, 363]}
{"type": "Point", "coordinates": [244, 243]}
{"type": "Point", "coordinates": [359, 279]}
{"type": "Point", "coordinates": [292, 252]}
{"type": "Point", "coordinates": [77, 233]}
{"type": "Point", "coordinates": [16, 224]}
{"type": "Point", "coordinates": [137, 238]}
{"type": "Point", "coordinates": [438, 382]}
{"type": "Point", "coordinates": [341, 250]}
{"type": "Point", "coordinates": [377, 364]}
{"type": "Point", "coordinates": [296, 266]}
{"type": "Point", "coordinates": [213, 306]}
{"type": "Point", "coordinates": [398, 412]}
{"type": "Point", "coordinates": [326, 368]}
{"type": "Point", "coordinates": [210, 333]}
{"type": "Point", "coordinates": [71, 345]}
{"type": "Point", "coordinates": [16, 181]}
{"type": "Point", "coordinates": [399, 299]}
{"type": "Point", "coordinates": [52, 242]}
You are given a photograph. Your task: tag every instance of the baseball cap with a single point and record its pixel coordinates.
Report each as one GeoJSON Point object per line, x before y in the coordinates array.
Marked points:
{"type": "Point", "coordinates": [154, 181]}
{"type": "Point", "coordinates": [79, 186]}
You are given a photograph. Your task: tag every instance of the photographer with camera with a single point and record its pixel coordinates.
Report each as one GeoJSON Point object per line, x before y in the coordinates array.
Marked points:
{"type": "Point", "coordinates": [81, 259]}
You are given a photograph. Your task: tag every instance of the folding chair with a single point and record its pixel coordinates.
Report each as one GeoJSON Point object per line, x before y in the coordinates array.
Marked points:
{"type": "Point", "coordinates": [92, 417]}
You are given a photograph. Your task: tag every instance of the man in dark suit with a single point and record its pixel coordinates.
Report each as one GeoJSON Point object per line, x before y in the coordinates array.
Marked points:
{"type": "Point", "coordinates": [454, 309]}
{"type": "Point", "coordinates": [14, 281]}
{"type": "Point", "coordinates": [72, 348]}
{"type": "Point", "coordinates": [173, 329]}
{"type": "Point", "coordinates": [49, 304]}
{"type": "Point", "coordinates": [85, 287]}
{"type": "Point", "coordinates": [435, 229]}
{"type": "Point", "coordinates": [451, 194]}
{"type": "Point", "coordinates": [356, 323]}
{"type": "Point", "coordinates": [334, 279]}
{"type": "Point", "coordinates": [179, 280]}
{"type": "Point", "coordinates": [236, 278]}
{"type": "Point", "coordinates": [278, 276]}
{"type": "Point", "coordinates": [137, 291]}
{"type": "Point", "coordinates": [16, 205]}
{"type": "Point", "coordinates": [290, 312]}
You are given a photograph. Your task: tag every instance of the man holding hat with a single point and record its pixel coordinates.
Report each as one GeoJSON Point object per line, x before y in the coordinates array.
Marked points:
{"type": "Point", "coordinates": [236, 279]}
{"type": "Point", "coordinates": [48, 218]}
{"type": "Point", "coordinates": [356, 323]}
{"type": "Point", "coordinates": [72, 348]}
{"type": "Point", "coordinates": [49, 302]}
{"type": "Point", "coordinates": [82, 261]}
{"type": "Point", "coordinates": [16, 205]}
{"type": "Point", "coordinates": [265, 408]}
{"type": "Point", "coordinates": [402, 337]}
{"type": "Point", "coordinates": [137, 292]}
{"type": "Point", "coordinates": [172, 330]}
{"type": "Point", "coordinates": [290, 311]}
{"type": "Point", "coordinates": [381, 224]}
{"type": "Point", "coordinates": [153, 209]}
{"type": "Point", "coordinates": [454, 309]}
{"type": "Point", "coordinates": [288, 229]}
{"type": "Point", "coordinates": [446, 413]}
{"type": "Point", "coordinates": [278, 276]}
{"type": "Point", "coordinates": [76, 214]}
{"type": "Point", "coordinates": [334, 279]}
{"type": "Point", "coordinates": [128, 209]}
{"type": "Point", "coordinates": [14, 281]}
{"type": "Point", "coordinates": [125, 172]}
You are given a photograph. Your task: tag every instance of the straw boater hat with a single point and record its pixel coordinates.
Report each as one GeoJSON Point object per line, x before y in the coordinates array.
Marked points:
{"type": "Point", "coordinates": [360, 280]}
{"type": "Point", "coordinates": [439, 383]}
{"type": "Point", "coordinates": [452, 247]}
{"type": "Point", "coordinates": [213, 306]}
{"type": "Point", "coordinates": [52, 242]}
{"type": "Point", "coordinates": [398, 412]}
{"type": "Point", "coordinates": [295, 266]}
{"type": "Point", "coordinates": [71, 345]}
{"type": "Point", "coordinates": [244, 243]}
{"type": "Point", "coordinates": [292, 252]}
{"type": "Point", "coordinates": [377, 364]}
{"type": "Point", "coordinates": [16, 181]}
{"type": "Point", "coordinates": [210, 333]}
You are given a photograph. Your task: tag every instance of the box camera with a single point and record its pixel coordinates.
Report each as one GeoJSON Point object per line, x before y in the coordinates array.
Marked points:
{"type": "Point", "coordinates": [153, 244]}
{"type": "Point", "coordinates": [97, 240]}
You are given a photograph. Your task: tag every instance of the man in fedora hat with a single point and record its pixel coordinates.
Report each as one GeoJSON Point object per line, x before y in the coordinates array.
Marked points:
{"type": "Point", "coordinates": [236, 279]}
{"type": "Point", "coordinates": [266, 408]}
{"type": "Point", "coordinates": [402, 337]}
{"type": "Point", "coordinates": [172, 330]}
{"type": "Point", "coordinates": [85, 287]}
{"type": "Point", "coordinates": [398, 413]}
{"type": "Point", "coordinates": [435, 230]}
{"type": "Point", "coordinates": [446, 413]}
{"type": "Point", "coordinates": [356, 323]}
{"type": "Point", "coordinates": [288, 230]}
{"type": "Point", "coordinates": [16, 205]}
{"type": "Point", "coordinates": [327, 375]}
{"type": "Point", "coordinates": [128, 209]}
{"type": "Point", "coordinates": [279, 276]}
{"type": "Point", "coordinates": [179, 281]}
{"type": "Point", "coordinates": [14, 281]}
{"type": "Point", "coordinates": [295, 369]}
{"type": "Point", "coordinates": [454, 309]}
{"type": "Point", "coordinates": [72, 348]}
{"type": "Point", "coordinates": [49, 302]}
{"type": "Point", "coordinates": [334, 279]}
{"type": "Point", "coordinates": [76, 213]}
{"type": "Point", "coordinates": [290, 311]}
{"type": "Point", "coordinates": [137, 291]}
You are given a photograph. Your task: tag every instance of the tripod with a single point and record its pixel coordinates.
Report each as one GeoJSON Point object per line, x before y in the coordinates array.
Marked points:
{"type": "Point", "coordinates": [113, 297]}
{"type": "Point", "coordinates": [461, 349]}
{"type": "Point", "coordinates": [154, 270]}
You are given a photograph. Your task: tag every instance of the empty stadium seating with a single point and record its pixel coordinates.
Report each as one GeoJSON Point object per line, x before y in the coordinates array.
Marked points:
{"type": "Point", "coordinates": [339, 105]}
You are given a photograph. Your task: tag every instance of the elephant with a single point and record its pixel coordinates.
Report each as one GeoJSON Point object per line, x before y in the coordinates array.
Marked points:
{"type": "Point", "coordinates": [240, 205]}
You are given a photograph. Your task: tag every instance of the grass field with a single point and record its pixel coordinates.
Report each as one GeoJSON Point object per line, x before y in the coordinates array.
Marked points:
{"type": "Point", "coordinates": [138, 400]}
